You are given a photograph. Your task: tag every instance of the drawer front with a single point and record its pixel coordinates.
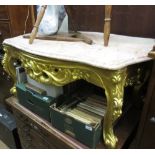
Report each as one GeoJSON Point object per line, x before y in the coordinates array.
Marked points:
{"type": "Point", "coordinates": [30, 138]}
{"type": "Point", "coordinates": [3, 13]}
{"type": "Point", "coordinates": [40, 142]}
{"type": "Point", "coordinates": [51, 140]}
{"type": "Point", "coordinates": [4, 30]}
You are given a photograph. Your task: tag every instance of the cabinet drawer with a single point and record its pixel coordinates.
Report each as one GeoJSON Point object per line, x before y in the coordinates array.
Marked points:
{"type": "Point", "coordinates": [4, 30]}
{"type": "Point", "coordinates": [40, 142]}
{"type": "Point", "coordinates": [50, 139]}
{"type": "Point", "coordinates": [30, 127]}
{"type": "Point", "coordinates": [31, 138]}
{"type": "Point", "coordinates": [3, 13]}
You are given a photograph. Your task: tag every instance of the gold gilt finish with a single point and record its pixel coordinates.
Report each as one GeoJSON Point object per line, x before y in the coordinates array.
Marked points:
{"type": "Point", "coordinates": [59, 73]}
{"type": "Point", "coordinates": [8, 65]}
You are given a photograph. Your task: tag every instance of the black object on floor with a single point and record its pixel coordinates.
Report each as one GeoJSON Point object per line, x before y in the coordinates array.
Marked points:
{"type": "Point", "coordinates": [8, 130]}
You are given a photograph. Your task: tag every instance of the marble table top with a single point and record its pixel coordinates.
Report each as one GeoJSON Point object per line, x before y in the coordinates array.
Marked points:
{"type": "Point", "coordinates": [121, 51]}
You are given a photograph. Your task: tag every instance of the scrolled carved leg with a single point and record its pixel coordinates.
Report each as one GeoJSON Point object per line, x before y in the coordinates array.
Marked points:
{"type": "Point", "coordinates": [8, 65]}
{"type": "Point", "coordinates": [114, 92]}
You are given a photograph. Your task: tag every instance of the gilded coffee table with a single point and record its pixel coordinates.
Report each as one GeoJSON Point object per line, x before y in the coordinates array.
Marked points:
{"type": "Point", "coordinates": [59, 63]}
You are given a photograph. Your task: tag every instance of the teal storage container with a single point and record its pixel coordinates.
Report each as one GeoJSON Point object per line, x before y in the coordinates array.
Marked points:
{"type": "Point", "coordinates": [39, 104]}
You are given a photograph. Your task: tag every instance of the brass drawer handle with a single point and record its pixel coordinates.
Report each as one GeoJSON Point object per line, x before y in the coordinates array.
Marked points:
{"type": "Point", "coordinates": [34, 126]}
{"type": "Point", "coordinates": [0, 33]}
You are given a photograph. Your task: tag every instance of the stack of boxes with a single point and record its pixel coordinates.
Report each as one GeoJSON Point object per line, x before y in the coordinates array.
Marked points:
{"type": "Point", "coordinates": [81, 118]}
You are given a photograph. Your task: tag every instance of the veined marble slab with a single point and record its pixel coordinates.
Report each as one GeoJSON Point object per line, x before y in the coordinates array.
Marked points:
{"type": "Point", "coordinates": [121, 51]}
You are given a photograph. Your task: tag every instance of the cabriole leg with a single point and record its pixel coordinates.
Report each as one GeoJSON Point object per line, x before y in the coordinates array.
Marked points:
{"type": "Point", "coordinates": [114, 90]}
{"type": "Point", "coordinates": [8, 65]}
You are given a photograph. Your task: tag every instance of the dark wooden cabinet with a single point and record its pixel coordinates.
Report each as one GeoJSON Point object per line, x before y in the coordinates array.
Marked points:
{"type": "Point", "coordinates": [36, 133]}
{"type": "Point", "coordinates": [12, 23]}
{"type": "Point", "coordinates": [146, 132]}
{"type": "Point", "coordinates": [132, 20]}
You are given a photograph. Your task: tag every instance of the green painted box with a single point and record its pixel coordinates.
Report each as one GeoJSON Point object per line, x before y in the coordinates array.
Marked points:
{"type": "Point", "coordinates": [39, 104]}
{"type": "Point", "coordinates": [87, 134]}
